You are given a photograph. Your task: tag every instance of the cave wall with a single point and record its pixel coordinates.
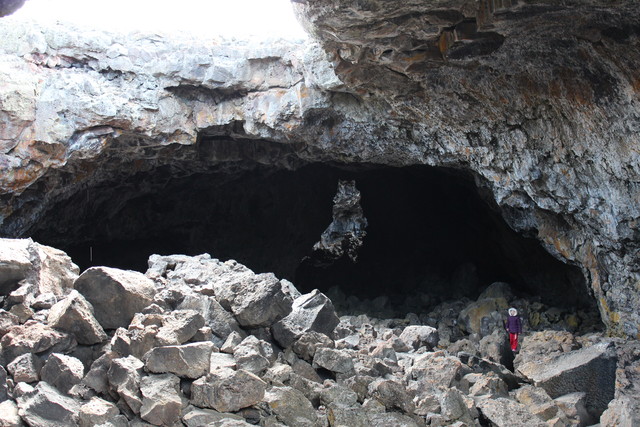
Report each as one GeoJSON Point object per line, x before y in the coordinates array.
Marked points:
{"type": "Point", "coordinates": [539, 100]}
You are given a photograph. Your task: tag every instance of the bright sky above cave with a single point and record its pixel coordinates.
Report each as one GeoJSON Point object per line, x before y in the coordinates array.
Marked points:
{"type": "Point", "coordinates": [237, 18]}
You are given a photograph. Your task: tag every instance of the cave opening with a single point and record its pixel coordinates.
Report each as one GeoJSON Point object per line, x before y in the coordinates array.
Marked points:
{"type": "Point", "coordinates": [429, 231]}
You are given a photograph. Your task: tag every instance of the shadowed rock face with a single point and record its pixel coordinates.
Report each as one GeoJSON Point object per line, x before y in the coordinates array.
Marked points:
{"type": "Point", "coordinates": [7, 7]}
{"type": "Point", "coordinates": [539, 102]}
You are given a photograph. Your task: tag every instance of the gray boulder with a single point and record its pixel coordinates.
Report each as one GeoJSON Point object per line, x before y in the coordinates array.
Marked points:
{"type": "Point", "coordinates": [226, 390]}
{"type": "Point", "coordinates": [221, 322]}
{"type": "Point", "coordinates": [9, 416]}
{"type": "Point", "coordinates": [339, 361]}
{"type": "Point", "coordinates": [221, 360]}
{"type": "Point", "coordinates": [62, 372]}
{"type": "Point", "coordinates": [44, 406]}
{"type": "Point", "coordinates": [74, 314]}
{"type": "Point", "coordinates": [291, 407]}
{"type": "Point", "coordinates": [197, 417]}
{"type": "Point", "coordinates": [34, 337]}
{"type": "Point", "coordinates": [309, 342]}
{"type": "Point", "coordinates": [116, 295]}
{"type": "Point", "coordinates": [97, 376]}
{"type": "Point", "coordinates": [99, 412]}
{"type": "Point", "coordinates": [573, 406]}
{"type": "Point", "coordinates": [591, 370]}
{"type": "Point", "coordinates": [178, 327]}
{"type": "Point", "coordinates": [161, 399]}
{"type": "Point", "coordinates": [621, 412]}
{"type": "Point", "coordinates": [393, 395]}
{"type": "Point", "coordinates": [124, 377]}
{"type": "Point", "coordinates": [4, 391]}
{"type": "Point", "coordinates": [25, 368]}
{"type": "Point", "coordinates": [7, 321]}
{"type": "Point", "coordinates": [255, 300]}
{"type": "Point", "coordinates": [310, 312]}
{"type": "Point", "coordinates": [253, 355]}
{"type": "Point", "coordinates": [503, 412]}
{"type": "Point", "coordinates": [416, 336]}
{"type": "Point", "coordinates": [15, 263]}
{"type": "Point", "coordinates": [189, 360]}
{"type": "Point", "coordinates": [539, 403]}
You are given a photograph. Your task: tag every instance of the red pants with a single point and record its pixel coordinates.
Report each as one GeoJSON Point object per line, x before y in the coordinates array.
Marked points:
{"type": "Point", "coordinates": [513, 340]}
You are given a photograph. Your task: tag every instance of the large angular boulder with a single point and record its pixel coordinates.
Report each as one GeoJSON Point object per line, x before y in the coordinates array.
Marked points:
{"type": "Point", "coordinates": [7, 321]}
{"type": "Point", "coordinates": [253, 355]}
{"type": "Point", "coordinates": [25, 368]}
{"type": "Point", "coordinates": [503, 412]}
{"type": "Point", "coordinates": [309, 342]}
{"type": "Point", "coordinates": [62, 372]}
{"type": "Point", "coordinates": [591, 370]}
{"type": "Point", "coordinates": [178, 327]}
{"type": "Point", "coordinates": [221, 322]}
{"type": "Point", "coordinates": [310, 312]}
{"type": "Point", "coordinates": [416, 336]}
{"type": "Point", "coordinates": [74, 314]}
{"type": "Point", "coordinates": [124, 377]}
{"type": "Point", "coordinates": [255, 300]}
{"type": "Point", "coordinates": [161, 399]}
{"type": "Point", "coordinates": [338, 361]}
{"type": "Point", "coordinates": [116, 295]}
{"type": "Point", "coordinates": [470, 317]}
{"type": "Point", "coordinates": [189, 360]}
{"type": "Point", "coordinates": [197, 417]}
{"type": "Point", "coordinates": [44, 406]}
{"type": "Point", "coordinates": [9, 416]}
{"type": "Point", "coordinates": [226, 390]}
{"type": "Point", "coordinates": [393, 395]}
{"type": "Point", "coordinates": [34, 337]}
{"type": "Point", "coordinates": [15, 263]}
{"type": "Point", "coordinates": [621, 412]}
{"type": "Point", "coordinates": [99, 412]}
{"type": "Point", "coordinates": [291, 407]}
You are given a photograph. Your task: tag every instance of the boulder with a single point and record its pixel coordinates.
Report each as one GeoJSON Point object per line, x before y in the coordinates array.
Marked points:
{"type": "Point", "coordinates": [189, 360]}
{"type": "Point", "coordinates": [197, 417]}
{"type": "Point", "coordinates": [621, 412]}
{"type": "Point", "coordinates": [484, 366]}
{"type": "Point", "coordinates": [538, 402]}
{"type": "Point", "coordinates": [392, 419]}
{"type": "Point", "coordinates": [255, 300]}
{"type": "Point", "coordinates": [221, 322]}
{"type": "Point", "coordinates": [496, 348]}
{"type": "Point", "coordinates": [62, 372]}
{"type": "Point", "coordinates": [471, 316]}
{"type": "Point", "coordinates": [416, 336]}
{"type": "Point", "coordinates": [591, 370]}
{"type": "Point", "coordinates": [310, 312]}
{"type": "Point", "coordinates": [393, 395]}
{"type": "Point", "coordinates": [455, 406]}
{"type": "Point", "coordinates": [231, 342]}
{"type": "Point", "coordinates": [339, 395]}
{"type": "Point", "coordinates": [99, 412]}
{"type": "Point", "coordinates": [15, 263]}
{"type": "Point", "coordinates": [436, 370]}
{"type": "Point", "coordinates": [44, 406]}
{"type": "Point", "coordinates": [178, 327]}
{"type": "Point", "coordinates": [116, 295]}
{"type": "Point", "coordinates": [290, 407]}
{"type": "Point", "coordinates": [4, 390]}
{"type": "Point", "coordinates": [74, 314]}
{"type": "Point", "coordinates": [573, 406]}
{"type": "Point", "coordinates": [253, 355]}
{"type": "Point", "coordinates": [55, 271]}
{"type": "Point", "coordinates": [34, 337]}
{"type": "Point", "coordinates": [97, 376]}
{"type": "Point", "coordinates": [161, 399]}
{"type": "Point", "coordinates": [9, 416]}
{"type": "Point", "coordinates": [124, 376]}
{"type": "Point", "coordinates": [221, 360]}
{"type": "Point", "coordinates": [503, 412]}
{"type": "Point", "coordinates": [25, 368]}
{"type": "Point", "coordinates": [7, 321]}
{"type": "Point", "coordinates": [352, 416]}
{"type": "Point", "coordinates": [226, 390]}
{"type": "Point", "coordinates": [309, 342]}
{"type": "Point", "coordinates": [338, 361]}
{"type": "Point", "coordinates": [489, 385]}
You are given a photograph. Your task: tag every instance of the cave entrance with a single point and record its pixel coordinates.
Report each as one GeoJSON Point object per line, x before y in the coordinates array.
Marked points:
{"type": "Point", "coordinates": [429, 231]}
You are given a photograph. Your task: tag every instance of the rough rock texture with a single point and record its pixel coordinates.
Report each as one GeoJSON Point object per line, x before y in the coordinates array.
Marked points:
{"type": "Point", "coordinates": [43, 405]}
{"type": "Point", "coordinates": [538, 100]}
{"type": "Point", "coordinates": [74, 314]}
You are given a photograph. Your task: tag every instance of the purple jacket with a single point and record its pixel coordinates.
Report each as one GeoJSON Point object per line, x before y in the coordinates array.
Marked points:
{"type": "Point", "coordinates": [513, 325]}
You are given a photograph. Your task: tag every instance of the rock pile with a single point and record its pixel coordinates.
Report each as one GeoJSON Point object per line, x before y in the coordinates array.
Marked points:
{"type": "Point", "coordinates": [196, 341]}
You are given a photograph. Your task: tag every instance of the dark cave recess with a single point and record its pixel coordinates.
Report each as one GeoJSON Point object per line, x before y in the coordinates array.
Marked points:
{"type": "Point", "coordinates": [429, 231]}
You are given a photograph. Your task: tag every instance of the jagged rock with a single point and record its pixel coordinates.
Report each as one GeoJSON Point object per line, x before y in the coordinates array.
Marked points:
{"type": "Point", "coordinates": [9, 416]}
{"type": "Point", "coordinates": [437, 370]}
{"type": "Point", "coordinates": [495, 347]}
{"type": "Point", "coordinates": [416, 336]}
{"type": "Point", "coordinates": [62, 372]}
{"type": "Point", "coordinates": [290, 406]}
{"type": "Point", "coordinates": [305, 370]}
{"type": "Point", "coordinates": [392, 419]}
{"type": "Point", "coordinates": [116, 295]}
{"type": "Point", "coordinates": [7, 321]}
{"type": "Point", "coordinates": [34, 337]}
{"type": "Point", "coordinates": [233, 340]}
{"type": "Point", "coordinates": [484, 366]}
{"type": "Point", "coordinates": [455, 407]}
{"type": "Point", "coordinates": [591, 370]}
{"type": "Point", "coordinates": [99, 412]}
{"type": "Point", "coordinates": [44, 301]}
{"type": "Point", "coordinates": [255, 300]}
{"type": "Point", "coordinates": [44, 406]}
{"type": "Point", "coordinates": [74, 314]}
{"type": "Point", "coordinates": [196, 417]}
{"type": "Point", "coordinates": [489, 385]}
{"type": "Point", "coordinates": [97, 376]}
{"type": "Point", "coordinates": [124, 377]}
{"type": "Point", "coordinates": [472, 315]}
{"type": "Point", "coordinates": [338, 395]}
{"type": "Point", "coordinates": [310, 312]}
{"type": "Point", "coordinates": [221, 360]}
{"type": "Point", "coordinates": [161, 401]}
{"type": "Point", "coordinates": [353, 416]}
{"type": "Point", "coordinates": [189, 360]}
{"type": "Point", "coordinates": [621, 412]}
{"type": "Point", "coordinates": [179, 327]}
{"type": "Point", "coordinates": [226, 390]}
{"type": "Point", "coordinates": [4, 392]}
{"type": "Point", "coordinates": [25, 368]}
{"type": "Point", "coordinates": [309, 342]}
{"type": "Point", "coordinates": [22, 312]}
{"type": "Point", "coordinates": [539, 345]}
{"type": "Point", "coordinates": [503, 412]}
{"type": "Point", "coordinates": [538, 402]}
{"type": "Point", "coordinates": [338, 361]}
{"type": "Point", "coordinates": [253, 355]}
{"type": "Point", "coordinates": [393, 395]}
{"type": "Point", "coordinates": [221, 322]}
{"type": "Point", "coordinates": [573, 406]}
{"type": "Point", "coordinates": [14, 263]}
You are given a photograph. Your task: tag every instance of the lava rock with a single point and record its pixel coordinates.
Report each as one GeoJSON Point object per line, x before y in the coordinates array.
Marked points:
{"type": "Point", "coordinates": [393, 395]}
{"type": "Point", "coordinates": [226, 390]}
{"type": "Point", "coordinates": [338, 361]}
{"type": "Point", "coordinates": [196, 417]}
{"type": "Point", "coordinates": [124, 377]}
{"type": "Point", "coordinates": [503, 412]}
{"type": "Point", "coordinates": [62, 372]}
{"type": "Point", "coordinates": [34, 337]}
{"type": "Point", "coordinates": [44, 406]}
{"type": "Point", "coordinates": [416, 336]}
{"type": "Point", "coordinates": [4, 391]}
{"type": "Point", "coordinates": [310, 312]}
{"type": "Point", "coordinates": [9, 416]}
{"type": "Point", "coordinates": [307, 345]}
{"type": "Point", "coordinates": [99, 412]}
{"type": "Point", "coordinates": [15, 263]}
{"type": "Point", "coordinates": [291, 407]}
{"type": "Point", "coordinates": [116, 295]}
{"type": "Point", "coordinates": [189, 360]}
{"type": "Point", "coordinates": [471, 316]}
{"type": "Point", "coordinates": [25, 368]}
{"type": "Point", "coordinates": [221, 322]}
{"type": "Point", "coordinates": [7, 321]}
{"type": "Point", "coordinates": [179, 327]}
{"type": "Point", "coordinates": [161, 401]}
{"type": "Point", "coordinates": [74, 314]}
{"type": "Point", "coordinates": [253, 355]}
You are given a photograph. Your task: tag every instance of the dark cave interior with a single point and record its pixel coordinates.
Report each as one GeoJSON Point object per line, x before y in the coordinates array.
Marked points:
{"type": "Point", "coordinates": [429, 230]}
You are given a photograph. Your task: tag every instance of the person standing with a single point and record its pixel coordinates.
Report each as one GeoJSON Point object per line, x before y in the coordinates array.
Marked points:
{"type": "Point", "coordinates": [514, 327]}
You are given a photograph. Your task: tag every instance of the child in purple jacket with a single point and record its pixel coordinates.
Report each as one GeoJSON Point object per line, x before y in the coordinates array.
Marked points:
{"type": "Point", "coordinates": [514, 327]}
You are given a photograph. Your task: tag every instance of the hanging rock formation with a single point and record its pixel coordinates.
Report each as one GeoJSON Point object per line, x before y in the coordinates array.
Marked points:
{"type": "Point", "coordinates": [538, 100]}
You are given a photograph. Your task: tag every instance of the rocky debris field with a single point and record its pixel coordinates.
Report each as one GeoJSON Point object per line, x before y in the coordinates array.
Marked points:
{"type": "Point", "coordinates": [199, 342]}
